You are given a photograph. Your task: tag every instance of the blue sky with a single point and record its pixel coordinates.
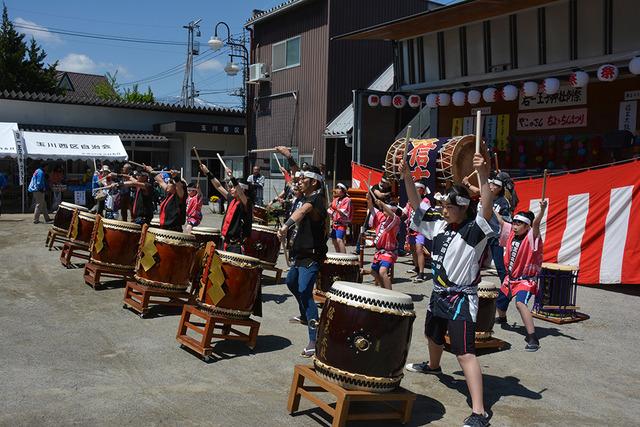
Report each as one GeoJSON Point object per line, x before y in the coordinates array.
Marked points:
{"type": "Point", "coordinates": [157, 20]}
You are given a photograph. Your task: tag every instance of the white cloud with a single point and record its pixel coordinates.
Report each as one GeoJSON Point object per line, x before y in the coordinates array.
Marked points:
{"type": "Point", "coordinates": [78, 63]}
{"type": "Point", "coordinates": [210, 65]}
{"type": "Point", "coordinates": [38, 32]}
{"type": "Point", "coordinates": [81, 63]}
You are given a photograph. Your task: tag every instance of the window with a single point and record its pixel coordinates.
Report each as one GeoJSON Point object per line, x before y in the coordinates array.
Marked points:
{"type": "Point", "coordinates": [286, 54]}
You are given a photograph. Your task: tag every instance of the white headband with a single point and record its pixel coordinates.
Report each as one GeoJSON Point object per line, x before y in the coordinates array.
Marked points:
{"type": "Point", "coordinates": [341, 185]}
{"type": "Point", "coordinates": [421, 185]}
{"type": "Point", "coordinates": [460, 201]}
{"type": "Point", "coordinates": [522, 218]}
{"type": "Point", "coordinates": [298, 174]}
{"type": "Point", "coordinates": [312, 175]}
{"type": "Point", "coordinates": [496, 182]}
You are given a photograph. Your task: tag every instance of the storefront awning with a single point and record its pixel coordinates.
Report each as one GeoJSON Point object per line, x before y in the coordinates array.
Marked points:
{"type": "Point", "coordinates": [7, 140]}
{"type": "Point", "coordinates": [54, 146]}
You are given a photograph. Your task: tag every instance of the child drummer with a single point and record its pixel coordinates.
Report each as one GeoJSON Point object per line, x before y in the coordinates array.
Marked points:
{"type": "Point", "coordinates": [459, 238]}
{"type": "Point", "coordinates": [523, 259]}
{"type": "Point", "coordinates": [387, 225]}
{"type": "Point", "coordinates": [341, 214]}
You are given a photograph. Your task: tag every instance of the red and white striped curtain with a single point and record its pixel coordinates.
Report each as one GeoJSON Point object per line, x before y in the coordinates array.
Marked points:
{"type": "Point", "coordinates": [592, 221]}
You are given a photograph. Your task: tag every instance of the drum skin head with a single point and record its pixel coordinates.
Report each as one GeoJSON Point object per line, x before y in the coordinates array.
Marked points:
{"type": "Point", "coordinates": [71, 207]}
{"type": "Point", "coordinates": [205, 230]}
{"type": "Point", "coordinates": [342, 256]}
{"type": "Point", "coordinates": [373, 292]}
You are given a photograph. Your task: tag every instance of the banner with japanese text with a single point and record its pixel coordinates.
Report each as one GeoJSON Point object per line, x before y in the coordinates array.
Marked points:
{"type": "Point", "coordinates": [44, 145]}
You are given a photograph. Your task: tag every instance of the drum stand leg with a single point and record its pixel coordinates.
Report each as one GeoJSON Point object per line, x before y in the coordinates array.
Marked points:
{"type": "Point", "coordinates": [492, 343]}
{"type": "Point", "coordinates": [345, 399]}
{"type": "Point", "coordinates": [275, 269]}
{"type": "Point", "coordinates": [206, 330]}
{"type": "Point", "coordinates": [93, 273]}
{"type": "Point", "coordinates": [70, 250]}
{"type": "Point", "coordinates": [54, 235]}
{"type": "Point", "coordinates": [140, 298]}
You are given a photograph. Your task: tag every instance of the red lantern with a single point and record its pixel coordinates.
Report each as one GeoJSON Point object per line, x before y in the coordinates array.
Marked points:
{"type": "Point", "coordinates": [414, 101]}
{"type": "Point", "coordinates": [578, 79]}
{"type": "Point", "coordinates": [607, 73]}
{"type": "Point", "coordinates": [399, 101]}
{"type": "Point", "coordinates": [374, 100]}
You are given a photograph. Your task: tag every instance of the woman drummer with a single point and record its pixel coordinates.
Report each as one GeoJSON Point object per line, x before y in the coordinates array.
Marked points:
{"type": "Point", "coordinates": [238, 218]}
{"type": "Point", "coordinates": [173, 209]}
{"type": "Point", "coordinates": [341, 216]}
{"type": "Point", "coordinates": [194, 206]}
{"type": "Point", "coordinates": [142, 206]}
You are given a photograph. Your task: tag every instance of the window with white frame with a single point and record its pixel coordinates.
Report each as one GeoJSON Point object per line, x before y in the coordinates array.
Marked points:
{"type": "Point", "coordinates": [286, 54]}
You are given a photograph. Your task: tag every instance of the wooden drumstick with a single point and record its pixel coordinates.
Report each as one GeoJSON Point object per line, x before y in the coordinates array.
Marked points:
{"type": "Point", "coordinates": [198, 181]}
{"type": "Point", "coordinates": [136, 164]}
{"type": "Point", "coordinates": [471, 174]}
{"type": "Point", "coordinates": [195, 151]}
{"type": "Point", "coordinates": [275, 156]}
{"type": "Point", "coordinates": [478, 126]}
{"type": "Point", "coordinates": [222, 161]}
{"type": "Point", "coordinates": [495, 156]}
{"type": "Point", "coordinates": [544, 183]}
{"type": "Point", "coordinates": [263, 150]}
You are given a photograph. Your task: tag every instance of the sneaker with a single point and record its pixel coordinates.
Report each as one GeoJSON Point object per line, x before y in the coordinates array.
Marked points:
{"type": "Point", "coordinates": [424, 277]}
{"type": "Point", "coordinates": [412, 272]}
{"type": "Point", "coordinates": [418, 279]}
{"type": "Point", "coordinates": [532, 343]}
{"type": "Point", "coordinates": [48, 221]}
{"type": "Point", "coordinates": [423, 368]}
{"type": "Point", "coordinates": [501, 320]}
{"type": "Point", "coordinates": [36, 221]}
{"type": "Point", "coordinates": [308, 352]}
{"type": "Point", "coordinates": [476, 420]}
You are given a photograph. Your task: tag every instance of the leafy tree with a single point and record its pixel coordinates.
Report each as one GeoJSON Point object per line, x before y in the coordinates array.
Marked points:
{"type": "Point", "coordinates": [111, 90]}
{"type": "Point", "coordinates": [22, 66]}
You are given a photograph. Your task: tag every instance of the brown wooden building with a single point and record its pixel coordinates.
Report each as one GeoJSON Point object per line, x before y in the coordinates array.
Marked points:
{"type": "Point", "coordinates": [300, 79]}
{"type": "Point", "coordinates": [481, 44]}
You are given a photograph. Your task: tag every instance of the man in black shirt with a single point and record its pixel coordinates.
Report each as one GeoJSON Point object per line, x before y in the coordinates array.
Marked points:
{"type": "Point", "coordinates": [308, 251]}
{"type": "Point", "coordinates": [142, 207]}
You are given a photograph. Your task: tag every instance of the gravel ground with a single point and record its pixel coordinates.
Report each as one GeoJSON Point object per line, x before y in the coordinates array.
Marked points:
{"type": "Point", "coordinates": [72, 356]}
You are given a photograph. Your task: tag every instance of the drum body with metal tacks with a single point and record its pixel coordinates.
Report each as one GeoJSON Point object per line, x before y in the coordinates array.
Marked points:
{"type": "Point", "coordinates": [64, 215]}
{"type": "Point", "coordinates": [114, 244]}
{"type": "Point", "coordinates": [165, 259]}
{"type": "Point", "coordinates": [364, 336]}
{"type": "Point", "coordinates": [557, 287]}
{"type": "Point", "coordinates": [486, 317]}
{"type": "Point", "coordinates": [260, 214]}
{"type": "Point", "coordinates": [229, 285]}
{"type": "Point", "coordinates": [455, 159]}
{"type": "Point", "coordinates": [338, 267]}
{"type": "Point", "coordinates": [263, 243]}
{"type": "Point", "coordinates": [81, 227]}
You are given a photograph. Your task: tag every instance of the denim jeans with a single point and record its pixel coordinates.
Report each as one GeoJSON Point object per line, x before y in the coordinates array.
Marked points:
{"type": "Point", "coordinates": [497, 253]}
{"type": "Point", "coordinates": [300, 281]}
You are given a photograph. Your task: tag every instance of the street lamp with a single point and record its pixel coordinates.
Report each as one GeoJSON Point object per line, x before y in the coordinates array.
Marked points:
{"type": "Point", "coordinates": [216, 43]}
{"type": "Point", "coordinates": [231, 68]}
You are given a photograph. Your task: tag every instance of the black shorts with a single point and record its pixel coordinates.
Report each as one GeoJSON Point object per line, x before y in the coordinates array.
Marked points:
{"type": "Point", "coordinates": [462, 333]}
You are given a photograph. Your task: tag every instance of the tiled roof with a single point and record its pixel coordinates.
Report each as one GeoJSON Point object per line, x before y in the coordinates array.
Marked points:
{"type": "Point", "coordinates": [273, 11]}
{"type": "Point", "coordinates": [78, 100]}
{"type": "Point", "coordinates": [82, 84]}
{"type": "Point", "coordinates": [125, 135]}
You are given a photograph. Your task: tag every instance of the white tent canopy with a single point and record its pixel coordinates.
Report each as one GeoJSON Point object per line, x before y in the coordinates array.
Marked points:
{"type": "Point", "coordinates": [7, 140]}
{"type": "Point", "coordinates": [54, 146]}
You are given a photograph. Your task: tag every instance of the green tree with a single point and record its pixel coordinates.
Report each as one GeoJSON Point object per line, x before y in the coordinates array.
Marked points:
{"type": "Point", "coordinates": [22, 66]}
{"type": "Point", "coordinates": [111, 90]}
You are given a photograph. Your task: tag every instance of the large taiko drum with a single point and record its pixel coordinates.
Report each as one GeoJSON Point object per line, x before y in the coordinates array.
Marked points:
{"type": "Point", "coordinates": [207, 234]}
{"type": "Point", "coordinates": [155, 222]}
{"type": "Point", "coordinates": [456, 158]}
{"type": "Point", "coordinates": [230, 284]}
{"type": "Point", "coordinates": [260, 214]}
{"type": "Point", "coordinates": [114, 244]}
{"type": "Point", "coordinates": [364, 336]}
{"type": "Point", "coordinates": [165, 259]}
{"type": "Point", "coordinates": [338, 267]}
{"type": "Point", "coordinates": [64, 215]}
{"type": "Point", "coordinates": [81, 227]}
{"type": "Point", "coordinates": [485, 319]}
{"type": "Point", "coordinates": [263, 243]}
{"type": "Point", "coordinates": [557, 288]}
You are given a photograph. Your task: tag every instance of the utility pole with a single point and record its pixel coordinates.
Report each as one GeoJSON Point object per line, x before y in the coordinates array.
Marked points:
{"type": "Point", "coordinates": [188, 94]}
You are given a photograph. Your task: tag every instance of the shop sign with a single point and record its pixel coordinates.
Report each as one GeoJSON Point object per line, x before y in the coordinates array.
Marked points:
{"type": "Point", "coordinates": [502, 132]}
{"type": "Point", "coordinates": [632, 95]}
{"type": "Point", "coordinates": [627, 117]}
{"type": "Point", "coordinates": [490, 129]}
{"type": "Point", "coordinates": [566, 97]}
{"type": "Point", "coordinates": [456, 127]}
{"type": "Point", "coordinates": [552, 119]}
{"type": "Point", "coordinates": [80, 198]}
{"type": "Point", "coordinates": [483, 110]}
{"type": "Point", "coordinates": [225, 129]}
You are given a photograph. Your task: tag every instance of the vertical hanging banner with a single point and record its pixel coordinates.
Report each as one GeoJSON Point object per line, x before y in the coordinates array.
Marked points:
{"type": "Point", "coordinates": [468, 125]}
{"type": "Point", "coordinates": [490, 129]}
{"type": "Point", "coordinates": [20, 153]}
{"type": "Point", "coordinates": [422, 157]}
{"type": "Point", "coordinates": [627, 116]}
{"type": "Point", "coordinates": [502, 132]}
{"type": "Point", "coordinates": [456, 127]}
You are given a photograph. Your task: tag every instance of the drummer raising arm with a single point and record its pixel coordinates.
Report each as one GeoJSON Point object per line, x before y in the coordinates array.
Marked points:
{"type": "Point", "coordinates": [238, 218]}
{"type": "Point", "coordinates": [459, 239]}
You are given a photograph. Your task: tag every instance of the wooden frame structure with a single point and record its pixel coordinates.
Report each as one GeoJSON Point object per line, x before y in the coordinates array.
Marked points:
{"type": "Point", "coordinates": [142, 299]}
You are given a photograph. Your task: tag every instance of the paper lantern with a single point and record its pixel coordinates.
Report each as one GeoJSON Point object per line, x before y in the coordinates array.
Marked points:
{"type": "Point", "coordinates": [399, 101]}
{"type": "Point", "coordinates": [414, 101]}
{"type": "Point", "coordinates": [550, 85]}
{"type": "Point", "coordinates": [509, 93]}
{"type": "Point", "coordinates": [432, 100]}
{"type": "Point", "coordinates": [458, 98]}
{"type": "Point", "coordinates": [607, 73]}
{"type": "Point", "coordinates": [474, 97]}
{"type": "Point", "coordinates": [443, 99]}
{"type": "Point", "coordinates": [490, 94]}
{"type": "Point", "coordinates": [578, 79]}
{"type": "Point", "coordinates": [530, 88]}
{"type": "Point", "coordinates": [374, 100]}
{"type": "Point", "coordinates": [385, 100]}
{"type": "Point", "coordinates": [634, 65]}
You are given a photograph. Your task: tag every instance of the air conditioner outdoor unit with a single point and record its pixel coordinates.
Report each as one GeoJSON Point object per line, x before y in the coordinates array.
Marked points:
{"type": "Point", "coordinates": [258, 72]}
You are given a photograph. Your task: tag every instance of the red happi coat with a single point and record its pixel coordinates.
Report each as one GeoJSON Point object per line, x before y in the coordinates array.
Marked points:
{"type": "Point", "coordinates": [386, 240]}
{"type": "Point", "coordinates": [524, 273]}
{"type": "Point", "coordinates": [339, 220]}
